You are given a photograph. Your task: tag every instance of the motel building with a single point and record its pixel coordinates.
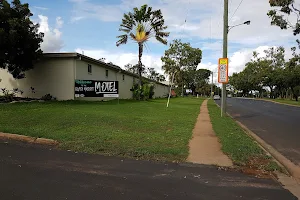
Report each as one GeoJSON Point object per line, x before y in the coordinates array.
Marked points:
{"type": "Point", "coordinates": [73, 76]}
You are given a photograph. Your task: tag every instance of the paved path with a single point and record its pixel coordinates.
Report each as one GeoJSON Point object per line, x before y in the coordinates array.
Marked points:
{"type": "Point", "coordinates": [30, 173]}
{"type": "Point", "coordinates": [278, 125]}
{"type": "Point", "coordinates": [205, 147]}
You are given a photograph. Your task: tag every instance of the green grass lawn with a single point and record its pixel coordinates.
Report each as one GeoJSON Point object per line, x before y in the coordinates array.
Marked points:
{"type": "Point", "coordinates": [143, 129]}
{"type": "Point", "coordinates": [287, 101]}
{"type": "Point", "coordinates": [241, 148]}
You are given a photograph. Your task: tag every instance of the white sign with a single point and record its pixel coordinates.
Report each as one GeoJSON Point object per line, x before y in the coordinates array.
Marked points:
{"type": "Point", "coordinates": [111, 95]}
{"type": "Point", "coordinates": [223, 70]}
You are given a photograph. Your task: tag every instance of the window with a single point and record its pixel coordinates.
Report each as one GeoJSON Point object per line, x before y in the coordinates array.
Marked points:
{"type": "Point", "coordinates": [106, 73]}
{"type": "Point", "coordinates": [123, 77]}
{"type": "Point", "coordinates": [89, 68]}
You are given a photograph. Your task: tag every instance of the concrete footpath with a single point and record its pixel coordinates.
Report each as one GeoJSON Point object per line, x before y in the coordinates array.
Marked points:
{"type": "Point", "coordinates": [205, 147]}
{"type": "Point", "coordinates": [32, 172]}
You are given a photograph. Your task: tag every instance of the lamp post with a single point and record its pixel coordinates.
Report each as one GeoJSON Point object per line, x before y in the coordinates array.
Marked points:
{"type": "Point", "coordinates": [245, 23]}
{"type": "Point", "coordinates": [225, 47]}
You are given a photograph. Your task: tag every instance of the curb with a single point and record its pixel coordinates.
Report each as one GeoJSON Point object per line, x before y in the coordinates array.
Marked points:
{"type": "Point", "coordinates": [291, 168]}
{"type": "Point", "coordinates": [28, 139]}
{"type": "Point", "coordinates": [267, 100]}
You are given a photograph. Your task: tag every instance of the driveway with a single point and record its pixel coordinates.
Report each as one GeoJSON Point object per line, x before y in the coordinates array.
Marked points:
{"type": "Point", "coordinates": [32, 172]}
{"type": "Point", "coordinates": [276, 124]}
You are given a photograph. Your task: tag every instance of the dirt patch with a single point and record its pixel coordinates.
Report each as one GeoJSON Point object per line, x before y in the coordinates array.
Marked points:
{"type": "Point", "coordinates": [204, 147]}
{"type": "Point", "coordinates": [28, 139]}
{"type": "Point", "coordinates": [255, 166]}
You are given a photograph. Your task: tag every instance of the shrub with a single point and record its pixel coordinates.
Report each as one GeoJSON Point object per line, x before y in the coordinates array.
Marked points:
{"type": "Point", "coordinates": [9, 95]}
{"type": "Point", "coordinates": [48, 97]}
{"type": "Point", "coordinates": [145, 92]}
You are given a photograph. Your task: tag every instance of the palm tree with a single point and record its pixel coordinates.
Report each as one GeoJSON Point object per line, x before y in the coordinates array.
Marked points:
{"type": "Point", "coordinates": [140, 25]}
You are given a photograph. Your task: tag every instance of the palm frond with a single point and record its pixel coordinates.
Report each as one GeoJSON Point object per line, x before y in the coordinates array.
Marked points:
{"type": "Point", "coordinates": [124, 30]}
{"type": "Point", "coordinates": [123, 39]}
{"type": "Point", "coordinates": [161, 40]}
{"type": "Point", "coordinates": [162, 34]}
{"type": "Point", "coordinates": [132, 36]}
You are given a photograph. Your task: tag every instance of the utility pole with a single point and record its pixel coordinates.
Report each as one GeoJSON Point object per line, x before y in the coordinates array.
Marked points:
{"type": "Point", "coordinates": [212, 83]}
{"type": "Point", "coordinates": [225, 41]}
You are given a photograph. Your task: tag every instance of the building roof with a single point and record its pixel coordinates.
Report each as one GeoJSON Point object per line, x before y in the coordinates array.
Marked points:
{"type": "Point", "coordinates": [108, 65]}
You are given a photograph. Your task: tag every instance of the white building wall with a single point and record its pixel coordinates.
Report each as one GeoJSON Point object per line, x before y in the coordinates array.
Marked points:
{"type": "Point", "coordinates": [161, 90]}
{"type": "Point", "coordinates": [99, 73]}
{"type": "Point", "coordinates": [56, 76]}
{"type": "Point", "coordinates": [49, 76]}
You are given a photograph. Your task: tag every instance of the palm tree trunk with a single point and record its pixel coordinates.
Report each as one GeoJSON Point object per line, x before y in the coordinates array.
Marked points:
{"type": "Point", "coordinates": [140, 62]}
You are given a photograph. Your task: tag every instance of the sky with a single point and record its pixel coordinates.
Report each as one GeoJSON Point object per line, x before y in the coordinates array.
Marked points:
{"type": "Point", "coordinates": [91, 27]}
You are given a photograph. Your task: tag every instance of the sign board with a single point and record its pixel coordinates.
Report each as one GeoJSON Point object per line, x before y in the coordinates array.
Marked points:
{"type": "Point", "coordinates": [92, 88]}
{"type": "Point", "coordinates": [223, 70]}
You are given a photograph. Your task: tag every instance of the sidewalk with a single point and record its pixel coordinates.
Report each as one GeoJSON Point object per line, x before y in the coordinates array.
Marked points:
{"type": "Point", "coordinates": [205, 147]}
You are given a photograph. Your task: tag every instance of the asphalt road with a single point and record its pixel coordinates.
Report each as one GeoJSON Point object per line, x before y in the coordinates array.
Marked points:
{"type": "Point", "coordinates": [30, 172]}
{"type": "Point", "coordinates": [276, 124]}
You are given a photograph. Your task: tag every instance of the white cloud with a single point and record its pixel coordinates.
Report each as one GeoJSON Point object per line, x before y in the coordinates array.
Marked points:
{"type": "Point", "coordinates": [59, 22]}
{"type": "Point", "coordinates": [121, 59]}
{"type": "Point", "coordinates": [197, 18]}
{"type": "Point", "coordinates": [40, 8]}
{"type": "Point", "coordinates": [52, 41]}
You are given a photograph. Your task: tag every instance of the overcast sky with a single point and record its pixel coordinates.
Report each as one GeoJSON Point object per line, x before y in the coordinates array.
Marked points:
{"type": "Point", "coordinates": [91, 26]}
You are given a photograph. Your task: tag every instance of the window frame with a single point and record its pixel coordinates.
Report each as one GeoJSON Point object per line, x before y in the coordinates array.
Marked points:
{"type": "Point", "coordinates": [90, 70]}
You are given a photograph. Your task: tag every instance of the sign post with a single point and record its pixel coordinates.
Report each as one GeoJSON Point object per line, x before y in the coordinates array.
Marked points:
{"type": "Point", "coordinates": [223, 70]}
{"type": "Point", "coordinates": [223, 78]}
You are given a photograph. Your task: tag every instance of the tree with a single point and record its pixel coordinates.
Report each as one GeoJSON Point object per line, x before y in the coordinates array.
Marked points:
{"type": "Point", "coordinates": [140, 25]}
{"type": "Point", "coordinates": [152, 74]}
{"type": "Point", "coordinates": [195, 79]}
{"type": "Point", "coordinates": [270, 71]}
{"type": "Point", "coordinates": [270, 65]}
{"type": "Point", "coordinates": [161, 78]}
{"type": "Point", "coordinates": [292, 74]}
{"type": "Point", "coordinates": [132, 68]}
{"type": "Point", "coordinates": [180, 58]}
{"type": "Point", "coordinates": [19, 38]}
{"type": "Point", "coordinates": [279, 18]}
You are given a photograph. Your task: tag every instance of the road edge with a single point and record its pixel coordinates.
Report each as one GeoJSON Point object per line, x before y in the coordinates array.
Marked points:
{"type": "Point", "coordinates": [291, 182]}
{"type": "Point", "coordinates": [290, 167]}
{"type": "Point", "coordinates": [267, 100]}
{"type": "Point", "coordinates": [28, 139]}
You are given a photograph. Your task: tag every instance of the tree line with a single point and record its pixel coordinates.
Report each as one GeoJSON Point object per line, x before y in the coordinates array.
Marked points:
{"type": "Point", "coordinates": [149, 73]}
{"type": "Point", "coordinates": [272, 72]}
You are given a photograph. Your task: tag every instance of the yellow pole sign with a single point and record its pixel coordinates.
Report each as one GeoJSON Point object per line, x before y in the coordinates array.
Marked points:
{"type": "Point", "coordinates": [223, 70]}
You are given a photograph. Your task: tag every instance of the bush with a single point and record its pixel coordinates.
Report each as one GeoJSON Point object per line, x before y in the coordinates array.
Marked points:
{"type": "Point", "coordinates": [48, 97]}
{"type": "Point", "coordinates": [9, 95]}
{"type": "Point", "coordinates": [145, 92]}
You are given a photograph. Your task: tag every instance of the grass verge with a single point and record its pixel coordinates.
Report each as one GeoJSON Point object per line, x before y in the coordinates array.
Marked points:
{"type": "Point", "coordinates": [144, 129]}
{"type": "Point", "coordinates": [287, 101]}
{"type": "Point", "coordinates": [240, 147]}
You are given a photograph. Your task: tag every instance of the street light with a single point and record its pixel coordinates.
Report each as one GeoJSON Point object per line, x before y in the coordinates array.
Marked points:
{"type": "Point", "coordinates": [246, 23]}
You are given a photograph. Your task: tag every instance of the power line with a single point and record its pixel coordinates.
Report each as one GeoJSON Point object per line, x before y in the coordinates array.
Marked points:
{"type": "Point", "coordinates": [185, 20]}
{"type": "Point", "coordinates": [236, 10]}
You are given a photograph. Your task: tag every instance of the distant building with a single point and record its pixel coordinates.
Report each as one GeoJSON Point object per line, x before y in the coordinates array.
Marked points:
{"type": "Point", "coordinates": [60, 74]}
